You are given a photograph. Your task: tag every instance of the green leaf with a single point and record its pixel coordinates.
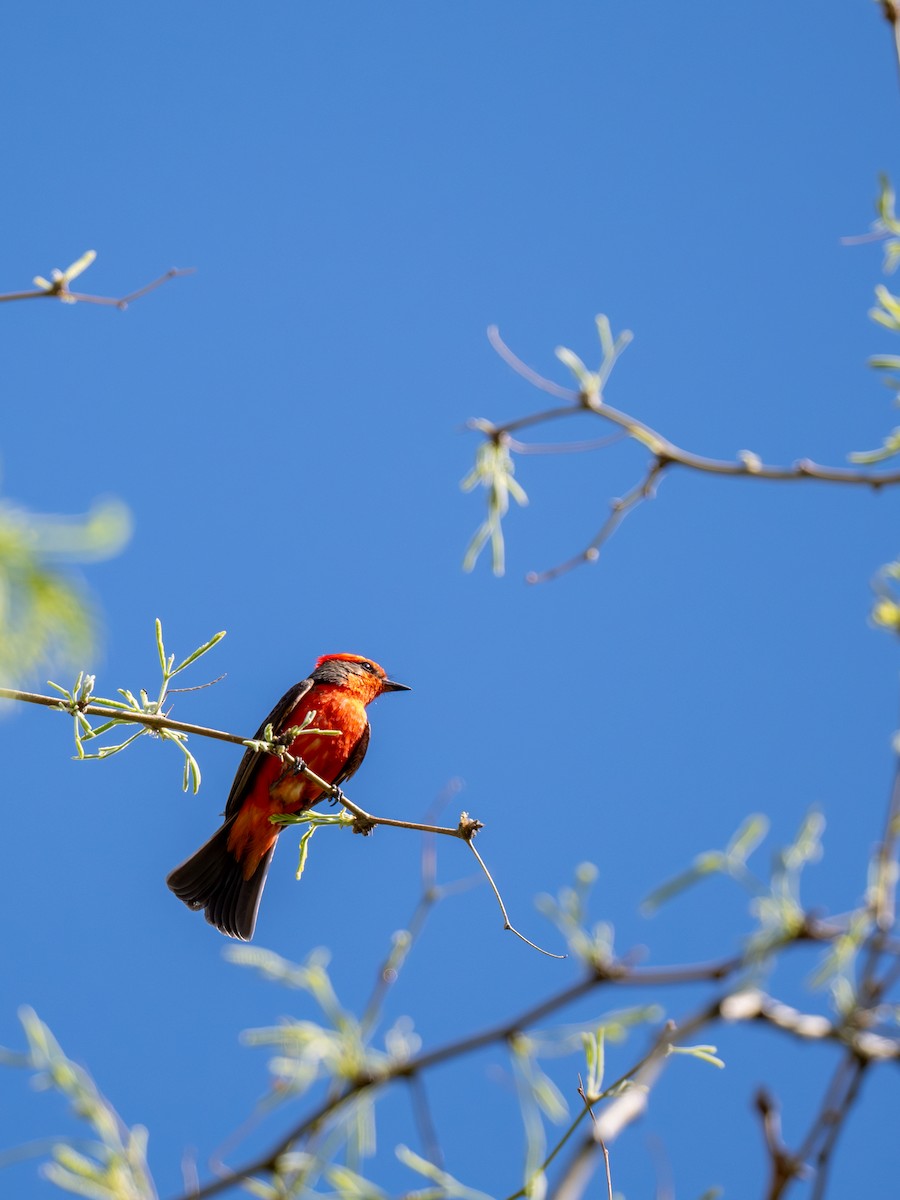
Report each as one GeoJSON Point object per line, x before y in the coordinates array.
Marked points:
{"type": "Point", "coordinates": [112, 1168]}
{"type": "Point", "coordinates": [704, 1053]}
{"type": "Point", "coordinates": [604, 331]}
{"type": "Point", "coordinates": [571, 360]}
{"type": "Point", "coordinates": [79, 265]}
{"type": "Point", "coordinates": [888, 449]}
{"type": "Point", "coordinates": [885, 204]}
{"type": "Point", "coordinates": [748, 836]}
{"type": "Point", "coordinates": [199, 652]}
{"type": "Point", "coordinates": [494, 470]}
{"type": "Point", "coordinates": [713, 862]}
{"type": "Point", "coordinates": [595, 1056]}
{"type": "Point", "coordinates": [304, 849]}
{"type": "Point", "coordinates": [160, 648]}
{"type": "Point", "coordinates": [807, 846]}
{"type": "Point", "coordinates": [450, 1186]}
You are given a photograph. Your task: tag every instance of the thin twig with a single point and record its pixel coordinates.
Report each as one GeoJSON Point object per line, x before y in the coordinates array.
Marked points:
{"type": "Point", "coordinates": [425, 1122]}
{"type": "Point", "coordinates": [521, 368]}
{"type": "Point", "coordinates": [619, 510]}
{"type": "Point", "coordinates": [784, 1165]}
{"type": "Point", "coordinates": [600, 1141]}
{"type": "Point", "coordinates": [833, 1121]}
{"type": "Point", "coordinates": [625, 1107]}
{"type": "Point", "coordinates": [611, 439]}
{"type": "Point", "coordinates": [657, 1051]}
{"type": "Point", "coordinates": [882, 900]}
{"type": "Point", "coordinates": [507, 924]}
{"type": "Point", "coordinates": [61, 292]}
{"type": "Point", "coordinates": [172, 273]}
{"type": "Point", "coordinates": [430, 894]}
{"type": "Point", "coordinates": [198, 687]}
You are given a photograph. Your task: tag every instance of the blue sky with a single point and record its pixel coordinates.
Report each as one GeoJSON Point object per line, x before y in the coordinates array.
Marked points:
{"type": "Point", "coordinates": [363, 190]}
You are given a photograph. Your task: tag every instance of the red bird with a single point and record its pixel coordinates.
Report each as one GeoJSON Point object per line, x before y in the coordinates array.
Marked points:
{"type": "Point", "coordinates": [226, 876]}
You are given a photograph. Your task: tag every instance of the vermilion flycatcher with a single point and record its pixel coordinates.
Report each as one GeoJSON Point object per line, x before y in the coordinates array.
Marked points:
{"type": "Point", "coordinates": [226, 876]}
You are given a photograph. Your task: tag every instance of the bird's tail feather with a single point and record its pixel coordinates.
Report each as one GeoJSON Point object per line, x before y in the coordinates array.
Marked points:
{"type": "Point", "coordinates": [213, 879]}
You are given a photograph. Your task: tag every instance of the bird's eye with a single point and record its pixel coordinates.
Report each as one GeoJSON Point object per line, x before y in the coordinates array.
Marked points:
{"type": "Point", "coordinates": [367, 666]}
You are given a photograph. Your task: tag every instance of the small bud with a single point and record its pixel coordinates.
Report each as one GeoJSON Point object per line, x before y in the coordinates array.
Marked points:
{"type": "Point", "coordinates": [886, 613]}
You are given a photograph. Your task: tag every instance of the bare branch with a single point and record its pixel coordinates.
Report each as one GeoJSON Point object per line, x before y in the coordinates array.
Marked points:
{"type": "Point", "coordinates": [784, 1166]}
{"type": "Point", "coordinates": [506, 921]}
{"type": "Point", "coordinates": [611, 439]}
{"type": "Point", "coordinates": [833, 1116]}
{"type": "Point", "coordinates": [619, 510]}
{"type": "Point", "coordinates": [521, 368]}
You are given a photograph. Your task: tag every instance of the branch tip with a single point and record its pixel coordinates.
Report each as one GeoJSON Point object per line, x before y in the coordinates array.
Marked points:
{"type": "Point", "coordinates": [468, 826]}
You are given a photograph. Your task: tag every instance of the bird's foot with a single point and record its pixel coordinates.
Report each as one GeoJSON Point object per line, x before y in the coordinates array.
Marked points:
{"type": "Point", "coordinates": [336, 797]}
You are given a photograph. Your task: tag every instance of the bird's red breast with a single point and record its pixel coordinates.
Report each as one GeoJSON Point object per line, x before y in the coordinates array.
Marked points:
{"type": "Point", "coordinates": [276, 789]}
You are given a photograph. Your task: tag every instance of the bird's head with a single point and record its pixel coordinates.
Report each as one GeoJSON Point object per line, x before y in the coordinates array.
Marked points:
{"type": "Point", "coordinates": [359, 675]}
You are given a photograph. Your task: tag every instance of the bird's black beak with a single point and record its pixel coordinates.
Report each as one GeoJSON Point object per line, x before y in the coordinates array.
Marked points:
{"type": "Point", "coordinates": [388, 685]}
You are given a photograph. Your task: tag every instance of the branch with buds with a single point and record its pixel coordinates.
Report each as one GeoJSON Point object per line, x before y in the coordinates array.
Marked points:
{"type": "Point", "coordinates": [57, 286]}
{"type": "Point", "coordinates": [495, 467]}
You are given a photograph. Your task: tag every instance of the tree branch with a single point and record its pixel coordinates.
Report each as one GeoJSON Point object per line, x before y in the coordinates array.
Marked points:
{"type": "Point", "coordinates": [59, 290]}
{"type": "Point", "coordinates": [612, 975]}
{"type": "Point", "coordinates": [664, 452]}
{"type": "Point", "coordinates": [364, 822]}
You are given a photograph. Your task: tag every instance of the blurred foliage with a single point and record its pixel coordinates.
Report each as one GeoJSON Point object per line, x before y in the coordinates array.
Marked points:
{"type": "Point", "coordinates": [494, 471]}
{"type": "Point", "coordinates": [886, 609]}
{"type": "Point", "coordinates": [328, 1055]}
{"type": "Point", "coordinates": [46, 617]}
{"type": "Point", "coordinates": [885, 313]}
{"type": "Point", "coordinates": [113, 1165]}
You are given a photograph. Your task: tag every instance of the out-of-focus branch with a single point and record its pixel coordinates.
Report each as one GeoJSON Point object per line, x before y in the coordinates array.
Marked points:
{"type": "Point", "coordinates": [754, 1005]}
{"type": "Point", "coordinates": [57, 286]}
{"type": "Point", "coordinates": [588, 399]}
{"type": "Point", "coordinates": [863, 1050]}
{"type": "Point", "coordinates": [620, 1111]}
{"type": "Point", "coordinates": [783, 1166]}
{"type": "Point", "coordinates": [829, 1123]}
{"type": "Point", "coordinates": [864, 1047]}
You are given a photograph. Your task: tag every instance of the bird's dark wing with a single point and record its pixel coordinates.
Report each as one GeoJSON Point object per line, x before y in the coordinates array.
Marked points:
{"type": "Point", "coordinates": [252, 758]}
{"type": "Point", "coordinates": [355, 757]}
